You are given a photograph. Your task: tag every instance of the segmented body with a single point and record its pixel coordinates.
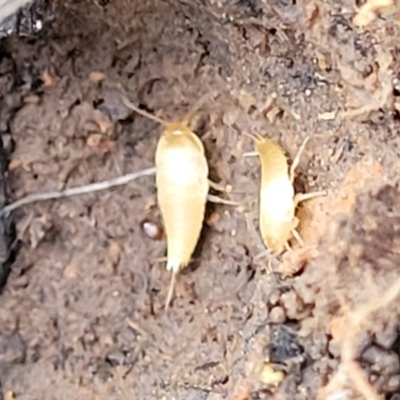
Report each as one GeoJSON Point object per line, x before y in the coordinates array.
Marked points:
{"type": "Point", "coordinates": [182, 189]}
{"type": "Point", "coordinates": [277, 207]}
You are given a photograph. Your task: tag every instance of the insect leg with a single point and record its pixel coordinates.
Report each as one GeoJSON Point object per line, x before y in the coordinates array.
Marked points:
{"type": "Point", "coordinates": [256, 137]}
{"type": "Point", "coordinates": [296, 160]}
{"type": "Point", "coordinates": [215, 199]}
{"type": "Point", "coordinates": [250, 154]}
{"type": "Point", "coordinates": [300, 197]}
{"type": "Point", "coordinates": [297, 236]}
{"type": "Point", "coordinates": [217, 186]}
{"type": "Point", "coordinates": [264, 253]}
{"type": "Point", "coordinates": [160, 259]}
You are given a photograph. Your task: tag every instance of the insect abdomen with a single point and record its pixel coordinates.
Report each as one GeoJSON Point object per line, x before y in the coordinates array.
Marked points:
{"type": "Point", "coordinates": [183, 220]}
{"type": "Point", "coordinates": [276, 213]}
{"type": "Point", "coordinates": [182, 186]}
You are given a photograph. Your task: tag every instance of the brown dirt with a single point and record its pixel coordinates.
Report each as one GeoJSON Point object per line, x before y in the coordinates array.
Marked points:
{"type": "Point", "coordinates": [82, 313]}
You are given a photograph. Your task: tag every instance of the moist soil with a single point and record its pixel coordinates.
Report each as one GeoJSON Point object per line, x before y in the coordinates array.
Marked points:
{"type": "Point", "coordinates": [82, 314]}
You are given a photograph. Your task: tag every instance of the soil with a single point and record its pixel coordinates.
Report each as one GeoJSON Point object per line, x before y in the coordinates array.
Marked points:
{"type": "Point", "coordinates": [82, 313]}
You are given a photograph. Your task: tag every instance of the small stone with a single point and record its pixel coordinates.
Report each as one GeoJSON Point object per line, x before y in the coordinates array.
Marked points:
{"type": "Point", "coordinates": [277, 315]}
{"type": "Point", "coordinates": [12, 349]}
{"type": "Point", "coordinates": [316, 345]}
{"type": "Point", "coordinates": [381, 361]}
{"type": "Point", "coordinates": [334, 348]}
{"type": "Point", "coordinates": [115, 357]}
{"type": "Point", "coordinates": [97, 76]}
{"type": "Point", "coordinates": [70, 271]}
{"type": "Point", "coordinates": [388, 336]}
{"type": "Point", "coordinates": [114, 252]}
{"type": "Point", "coordinates": [293, 305]}
{"type": "Point", "coordinates": [393, 384]}
{"type": "Point", "coordinates": [274, 297]}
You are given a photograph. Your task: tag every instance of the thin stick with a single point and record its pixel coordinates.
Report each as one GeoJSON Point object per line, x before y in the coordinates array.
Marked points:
{"type": "Point", "coordinates": [137, 328]}
{"type": "Point", "coordinates": [76, 191]}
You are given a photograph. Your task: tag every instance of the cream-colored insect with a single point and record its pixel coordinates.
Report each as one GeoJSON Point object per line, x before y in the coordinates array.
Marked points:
{"type": "Point", "coordinates": [278, 201]}
{"type": "Point", "coordinates": [182, 189]}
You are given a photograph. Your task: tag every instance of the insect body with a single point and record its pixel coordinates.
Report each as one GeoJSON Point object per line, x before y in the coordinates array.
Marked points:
{"type": "Point", "coordinates": [182, 190]}
{"type": "Point", "coordinates": [278, 201]}
{"type": "Point", "coordinates": [277, 208]}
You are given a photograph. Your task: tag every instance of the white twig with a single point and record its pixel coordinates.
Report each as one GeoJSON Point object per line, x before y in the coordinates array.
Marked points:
{"type": "Point", "coordinates": [94, 187]}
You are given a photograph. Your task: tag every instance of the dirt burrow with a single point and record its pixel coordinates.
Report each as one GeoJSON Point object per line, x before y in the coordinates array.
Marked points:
{"type": "Point", "coordinates": [82, 313]}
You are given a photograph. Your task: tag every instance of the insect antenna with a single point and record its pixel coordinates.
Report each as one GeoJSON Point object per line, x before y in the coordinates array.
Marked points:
{"type": "Point", "coordinates": [297, 157]}
{"type": "Point", "coordinates": [256, 137]}
{"type": "Point", "coordinates": [142, 112]}
{"type": "Point", "coordinates": [171, 290]}
{"type": "Point", "coordinates": [199, 103]}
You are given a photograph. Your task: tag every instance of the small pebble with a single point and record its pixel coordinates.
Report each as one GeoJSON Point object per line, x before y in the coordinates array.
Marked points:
{"type": "Point", "coordinates": [277, 315]}
{"type": "Point", "coordinates": [115, 357]}
{"type": "Point", "coordinates": [274, 297]}
{"type": "Point", "coordinates": [152, 229]}
{"type": "Point", "coordinates": [382, 361]}
{"type": "Point", "coordinates": [334, 348]}
{"type": "Point", "coordinates": [20, 282]}
{"type": "Point", "coordinates": [393, 384]}
{"type": "Point", "coordinates": [362, 343]}
{"type": "Point", "coordinates": [388, 336]}
{"type": "Point", "coordinates": [292, 304]}
{"type": "Point", "coordinates": [316, 345]}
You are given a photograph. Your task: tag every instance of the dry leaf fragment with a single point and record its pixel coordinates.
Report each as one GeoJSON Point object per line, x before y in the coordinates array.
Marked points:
{"type": "Point", "coordinates": [114, 252]}
{"type": "Point", "coordinates": [327, 116]}
{"type": "Point", "coordinates": [272, 114]}
{"type": "Point", "coordinates": [296, 260]}
{"type": "Point", "coordinates": [97, 76]}
{"type": "Point", "coordinates": [9, 395]}
{"type": "Point", "coordinates": [150, 203]}
{"type": "Point", "coordinates": [14, 164]}
{"type": "Point", "coordinates": [94, 140]}
{"type": "Point", "coordinates": [38, 229]}
{"type": "Point", "coordinates": [70, 271]}
{"type": "Point", "coordinates": [49, 78]}
{"type": "Point", "coordinates": [246, 100]}
{"type": "Point", "coordinates": [102, 121]}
